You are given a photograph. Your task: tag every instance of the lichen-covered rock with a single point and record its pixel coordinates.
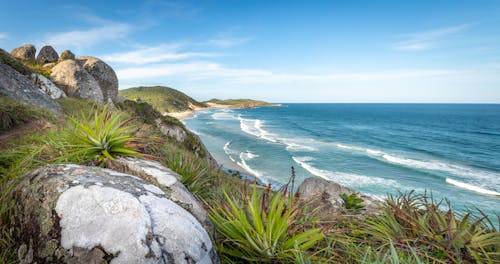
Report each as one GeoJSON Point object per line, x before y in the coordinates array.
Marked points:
{"type": "Point", "coordinates": [66, 55]}
{"type": "Point", "coordinates": [76, 81]}
{"type": "Point", "coordinates": [47, 54]}
{"type": "Point", "coordinates": [78, 214]}
{"type": "Point", "coordinates": [318, 192]}
{"type": "Point", "coordinates": [174, 131]}
{"type": "Point", "coordinates": [18, 87]}
{"type": "Point", "coordinates": [47, 86]}
{"type": "Point", "coordinates": [103, 73]}
{"type": "Point", "coordinates": [25, 52]}
{"type": "Point", "coordinates": [169, 181]}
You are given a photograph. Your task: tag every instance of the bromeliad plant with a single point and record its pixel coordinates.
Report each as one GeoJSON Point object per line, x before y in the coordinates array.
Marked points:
{"type": "Point", "coordinates": [104, 137]}
{"type": "Point", "coordinates": [262, 229]}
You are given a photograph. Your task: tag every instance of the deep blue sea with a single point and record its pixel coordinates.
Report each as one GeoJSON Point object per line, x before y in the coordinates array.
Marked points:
{"type": "Point", "coordinates": [451, 150]}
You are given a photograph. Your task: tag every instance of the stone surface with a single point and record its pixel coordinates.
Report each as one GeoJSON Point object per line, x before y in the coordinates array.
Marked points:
{"type": "Point", "coordinates": [25, 52]}
{"type": "Point", "coordinates": [75, 81]}
{"type": "Point", "coordinates": [47, 54]}
{"type": "Point", "coordinates": [47, 86]}
{"type": "Point", "coordinates": [66, 55]}
{"type": "Point", "coordinates": [18, 87]}
{"type": "Point", "coordinates": [103, 73]}
{"type": "Point", "coordinates": [49, 65]}
{"type": "Point", "coordinates": [9, 60]}
{"type": "Point", "coordinates": [78, 214]}
{"type": "Point", "coordinates": [169, 181]}
{"type": "Point", "coordinates": [318, 192]}
{"type": "Point", "coordinates": [174, 131]}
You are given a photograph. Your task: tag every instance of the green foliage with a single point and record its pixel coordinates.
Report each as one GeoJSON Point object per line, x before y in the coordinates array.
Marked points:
{"type": "Point", "coordinates": [13, 113]}
{"type": "Point", "coordinates": [38, 68]}
{"type": "Point", "coordinates": [239, 103]}
{"type": "Point", "coordinates": [261, 229]}
{"type": "Point", "coordinates": [163, 99]}
{"type": "Point", "coordinates": [418, 220]}
{"type": "Point", "coordinates": [352, 202]}
{"type": "Point", "coordinates": [7, 59]}
{"type": "Point", "coordinates": [104, 137]}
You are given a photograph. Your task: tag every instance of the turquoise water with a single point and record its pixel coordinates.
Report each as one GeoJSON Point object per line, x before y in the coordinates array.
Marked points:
{"type": "Point", "coordinates": [451, 150]}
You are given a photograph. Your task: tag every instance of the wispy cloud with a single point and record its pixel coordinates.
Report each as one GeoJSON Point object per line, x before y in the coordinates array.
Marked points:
{"type": "Point", "coordinates": [209, 70]}
{"type": "Point", "coordinates": [81, 38]}
{"type": "Point", "coordinates": [427, 39]}
{"type": "Point", "coordinates": [3, 36]}
{"type": "Point", "coordinates": [155, 54]}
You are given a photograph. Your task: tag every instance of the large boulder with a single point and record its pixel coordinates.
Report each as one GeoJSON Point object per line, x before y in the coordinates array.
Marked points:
{"type": "Point", "coordinates": [169, 181]}
{"type": "Point", "coordinates": [25, 52]}
{"type": "Point", "coordinates": [324, 194]}
{"type": "Point", "coordinates": [47, 86]}
{"type": "Point", "coordinates": [67, 55]}
{"type": "Point", "coordinates": [47, 54]}
{"type": "Point", "coordinates": [78, 214]}
{"type": "Point", "coordinates": [76, 81]}
{"type": "Point", "coordinates": [103, 73]}
{"type": "Point", "coordinates": [18, 87]}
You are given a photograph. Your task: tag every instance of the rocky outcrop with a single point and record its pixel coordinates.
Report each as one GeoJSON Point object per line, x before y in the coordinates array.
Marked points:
{"type": "Point", "coordinates": [18, 87]}
{"type": "Point", "coordinates": [168, 181]}
{"type": "Point", "coordinates": [103, 74]}
{"type": "Point", "coordinates": [46, 55]}
{"type": "Point", "coordinates": [78, 214]}
{"type": "Point", "coordinates": [66, 55]}
{"type": "Point", "coordinates": [9, 60]}
{"type": "Point", "coordinates": [76, 81]}
{"type": "Point", "coordinates": [47, 86]}
{"type": "Point", "coordinates": [323, 194]}
{"type": "Point", "coordinates": [25, 52]}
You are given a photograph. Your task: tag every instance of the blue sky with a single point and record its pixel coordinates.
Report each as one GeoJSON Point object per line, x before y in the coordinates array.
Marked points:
{"type": "Point", "coordinates": [280, 51]}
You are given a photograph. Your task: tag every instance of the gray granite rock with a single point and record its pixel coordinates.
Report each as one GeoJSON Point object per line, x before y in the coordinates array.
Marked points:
{"type": "Point", "coordinates": [66, 55]}
{"type": "Point", "coordinates": [46, 55]}
{"type": "Point", "coordinates": [25, 52]}
{"type": "Point", "coordinates": [78, 214]}
{"type": "Point", "coordinates": [324, 194]}
{"type": "Point", "coordinates": [18, 87]}
{"type": "Point", "coordinates": [103, 74]}
{"type": "Point", "coordinates": [47, 86]}
{"type": "Point", "coordinates": [76, 82]}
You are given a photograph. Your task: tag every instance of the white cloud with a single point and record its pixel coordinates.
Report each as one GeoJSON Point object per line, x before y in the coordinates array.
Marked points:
{"type": "Point", "coordinates": [427, 39]}
{"type": "Point", "coordinates": [87, 37]}
{"type": "Point", "coordinates": [154, 54]}
{"type": "Point", "coordinates": [209, 70]}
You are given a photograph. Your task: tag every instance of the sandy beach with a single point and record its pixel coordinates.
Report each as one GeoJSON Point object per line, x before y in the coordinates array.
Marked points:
{"type": "Point", "coordinates": [189, 113]}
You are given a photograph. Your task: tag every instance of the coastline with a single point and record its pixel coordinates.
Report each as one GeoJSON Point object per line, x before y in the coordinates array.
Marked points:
{"type": "Point", "coordinates": [189, 113]}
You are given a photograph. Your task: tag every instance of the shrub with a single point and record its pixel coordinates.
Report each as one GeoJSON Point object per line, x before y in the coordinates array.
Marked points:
{"type": "Point", "coordinates": [352, 202]}
{"type": "Point", "coordinates": [104, 137]}
{"type": "Point", "coordinates": [262, 229]}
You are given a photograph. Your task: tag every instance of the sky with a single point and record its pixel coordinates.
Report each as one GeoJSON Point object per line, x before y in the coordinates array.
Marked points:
{"type": "Point", "coordinates": [279, 51]}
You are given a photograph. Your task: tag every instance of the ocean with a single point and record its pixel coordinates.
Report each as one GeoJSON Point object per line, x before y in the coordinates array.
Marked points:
{"type": "Point", "coordinates": [449, 150]}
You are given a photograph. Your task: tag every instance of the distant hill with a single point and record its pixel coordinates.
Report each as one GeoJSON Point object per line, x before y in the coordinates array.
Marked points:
{"type": "Point", "coordinates": [238, 103]}
{"type": "Point", "coordinates": [163, 99]}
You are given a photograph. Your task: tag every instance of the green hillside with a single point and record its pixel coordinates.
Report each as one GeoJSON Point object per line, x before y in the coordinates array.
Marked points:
{"type": "Point", "coordinates": [240, 103]}
{"type": "Point", "coordinates": [163, 99]}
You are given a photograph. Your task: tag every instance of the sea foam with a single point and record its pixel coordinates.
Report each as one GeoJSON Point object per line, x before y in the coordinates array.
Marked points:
{"type": "Point", "coordinates": [471, 187]}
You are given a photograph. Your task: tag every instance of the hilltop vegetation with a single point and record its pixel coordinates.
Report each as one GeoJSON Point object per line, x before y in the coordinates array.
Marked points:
{"type": "Point", "coordinates": [163, 99]}
{"type": "Point", "coordinates": [239, 103]}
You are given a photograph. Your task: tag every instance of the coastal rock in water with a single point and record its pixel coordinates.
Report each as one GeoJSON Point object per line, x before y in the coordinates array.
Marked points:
{"type": "Point", "coordinates": [319, 192]}
{"type": "Point", "coordinates": [77, 214]}
{"type": "Point", "coordinates": [76, 81]}
{"type": "Point", "coordinates": [25, 52]}
{"type": "Point", "coordinates": [167, 180]}
{"type": "Point", "coordinates": [47, 86]}
{"type": "Point", "coordinates": [66, 55]}
{"type": "Point", "coordinates": [103, 73]}
{"type": "Point", "coordinates": [18, 87]}
{"type": "Point", "coordinates": [47, 54]}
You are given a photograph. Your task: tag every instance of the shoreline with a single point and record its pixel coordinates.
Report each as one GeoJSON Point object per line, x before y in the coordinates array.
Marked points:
{"type": "Point", "coordinates": [189, 113]}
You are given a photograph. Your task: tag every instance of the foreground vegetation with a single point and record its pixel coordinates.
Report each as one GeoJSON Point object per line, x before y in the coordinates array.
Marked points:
{"type": "Point", "coordinates": [254, 224]}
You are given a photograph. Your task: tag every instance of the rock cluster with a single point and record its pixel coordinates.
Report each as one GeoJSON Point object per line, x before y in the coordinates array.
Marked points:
{"type": "Point", "coordinates": [84, 77]}
{"type": "Point", "coordinates": [79, 214]}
